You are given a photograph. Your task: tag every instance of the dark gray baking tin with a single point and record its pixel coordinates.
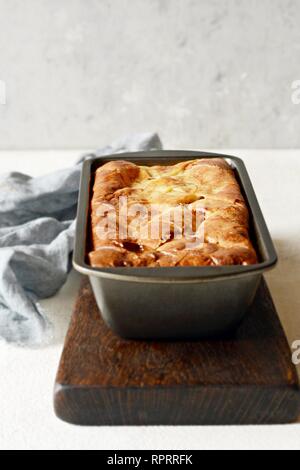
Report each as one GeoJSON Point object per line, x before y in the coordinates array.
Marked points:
{"type": "Point", "coordinates": [174, 302]}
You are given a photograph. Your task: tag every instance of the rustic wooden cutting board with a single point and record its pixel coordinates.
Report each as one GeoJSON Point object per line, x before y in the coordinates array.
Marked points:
{"type": "Point", "coordinates": [248, 378]}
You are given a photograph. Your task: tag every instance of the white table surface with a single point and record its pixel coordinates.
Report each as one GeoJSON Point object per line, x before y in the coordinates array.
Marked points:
{"type": "Point", "coordinates": [27, 420]}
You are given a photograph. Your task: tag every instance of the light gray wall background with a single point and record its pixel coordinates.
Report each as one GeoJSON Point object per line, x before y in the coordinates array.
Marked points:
{"type": "Point", "coordinates": [203, 73]}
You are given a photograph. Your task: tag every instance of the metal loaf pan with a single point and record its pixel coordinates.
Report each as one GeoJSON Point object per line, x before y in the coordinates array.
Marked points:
{"type": "Point", "coordinates": [173, 302]}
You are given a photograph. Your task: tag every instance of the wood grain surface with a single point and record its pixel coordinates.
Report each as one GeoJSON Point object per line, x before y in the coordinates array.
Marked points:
{"type": "Point", "coordinates": [247, 378]}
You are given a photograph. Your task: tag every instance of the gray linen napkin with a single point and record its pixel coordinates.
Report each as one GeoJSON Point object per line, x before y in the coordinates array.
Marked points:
{"type": "Point", "coordinates": [37, 220]}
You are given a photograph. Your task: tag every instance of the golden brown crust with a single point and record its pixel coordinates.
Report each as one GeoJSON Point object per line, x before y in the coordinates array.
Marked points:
{"type": "Point", "coordinates": [206, 187]}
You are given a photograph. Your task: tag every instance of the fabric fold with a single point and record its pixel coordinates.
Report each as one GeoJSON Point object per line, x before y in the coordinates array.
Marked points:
{"type": "Point", "coordinates": [37, 227]}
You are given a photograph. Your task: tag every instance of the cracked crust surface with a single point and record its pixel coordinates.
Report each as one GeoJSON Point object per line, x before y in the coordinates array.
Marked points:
{"type": "Point", "coordinates": [155, 232]}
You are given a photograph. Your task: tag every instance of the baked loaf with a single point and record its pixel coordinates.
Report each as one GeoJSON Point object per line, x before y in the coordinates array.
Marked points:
{"type": "Point", "coordinates": [188, 214]}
